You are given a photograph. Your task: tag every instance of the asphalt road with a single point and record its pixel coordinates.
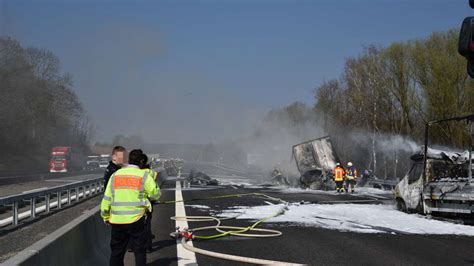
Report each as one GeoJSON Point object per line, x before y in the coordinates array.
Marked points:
{"type": "Point", "coordinates": [22, 177]}
{"type": "Point", "coordinates": [299, 244]}
{"type": "Point", "coordinates": [22, 187]}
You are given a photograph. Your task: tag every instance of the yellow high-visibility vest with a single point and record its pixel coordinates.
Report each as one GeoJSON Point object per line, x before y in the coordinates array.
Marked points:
{"type": "Point", "coordinates": [128, 194]}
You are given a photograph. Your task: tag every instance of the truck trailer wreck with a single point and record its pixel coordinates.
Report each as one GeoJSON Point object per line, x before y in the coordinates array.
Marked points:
{"type": "Point", "coordinates": [315, 160]}
{"type": "Point", "coordinates": [439, 182]}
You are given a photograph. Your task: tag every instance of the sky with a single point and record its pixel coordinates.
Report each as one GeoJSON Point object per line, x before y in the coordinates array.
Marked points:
{"type": "Point", "coordinates": [204, 71]}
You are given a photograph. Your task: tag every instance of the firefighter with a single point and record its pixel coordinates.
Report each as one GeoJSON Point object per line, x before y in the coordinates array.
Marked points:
{"type": "Point", "coordinates": [351, 176]}
{"type": "Point", "coordinates": [124, 206]}
{"type": "Point", "coordinates": [338, 174]}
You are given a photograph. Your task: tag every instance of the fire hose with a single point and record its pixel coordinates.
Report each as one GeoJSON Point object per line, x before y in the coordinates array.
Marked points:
{"type": "Point", "coordinates": [188, 234]}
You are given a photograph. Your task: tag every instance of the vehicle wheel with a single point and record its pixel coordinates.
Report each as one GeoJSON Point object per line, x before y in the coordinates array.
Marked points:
{"type": "Point", "coordinates": [315, 185]}
{"type": "Point", "coordinates": [419, 208]}
{"type": "Point", "coordinates": [401, 206]}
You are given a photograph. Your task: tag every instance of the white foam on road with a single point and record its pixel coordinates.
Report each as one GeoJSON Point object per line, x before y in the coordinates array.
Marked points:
{"type": "Point", "coordinates": [198, 206]}
{"type": "Point", "coordinates": [353, 218]}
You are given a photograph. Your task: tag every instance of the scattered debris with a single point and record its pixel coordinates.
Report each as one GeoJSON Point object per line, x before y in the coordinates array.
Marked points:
{"type": "Point", "coordinates": [201, 178]}
{"type": "Point", "coordinates": [278, 178]}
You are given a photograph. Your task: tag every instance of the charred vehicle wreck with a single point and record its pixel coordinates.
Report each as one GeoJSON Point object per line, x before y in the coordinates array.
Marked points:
{"type": "Point", "coordinates": [315, 160]}
{"type": "Point", "coordinates": [439, 182]}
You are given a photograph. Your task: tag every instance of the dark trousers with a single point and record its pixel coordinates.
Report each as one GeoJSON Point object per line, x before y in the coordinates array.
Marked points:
{"type": "Point", "coordinates": [339, 185]}
{"type": "Point", "coordinates": [148, 233]}
{"type": "Point", "coordinates": [350, 184]}
{"type": "Point", "coordinates": [121, 235]}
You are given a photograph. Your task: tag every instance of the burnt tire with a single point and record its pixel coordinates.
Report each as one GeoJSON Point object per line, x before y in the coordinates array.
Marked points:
{"type": "Point", "coordinates": [315, 185]}
{"type": "Point", "coordinates": [401, 206]}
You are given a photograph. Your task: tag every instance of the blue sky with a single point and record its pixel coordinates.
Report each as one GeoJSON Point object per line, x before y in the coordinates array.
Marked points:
{"type": "Point", "coordinates": [201, 71]}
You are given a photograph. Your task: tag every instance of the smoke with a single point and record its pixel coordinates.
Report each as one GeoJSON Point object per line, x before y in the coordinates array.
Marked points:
{"type": "Point", "coordinates": [385, 144]}
{"type": "Point", "coordinates": [276, 134]}
{"type": "Point", "coordinates": [392, 152]}
{"type": "Point", "coordinates": [396, 143]}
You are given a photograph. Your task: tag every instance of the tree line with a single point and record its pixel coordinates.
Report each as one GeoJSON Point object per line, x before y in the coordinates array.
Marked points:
{"type": "Point", "coordinates": [386, 93]}
{"type": "Point", "coordinates": [38, 108]}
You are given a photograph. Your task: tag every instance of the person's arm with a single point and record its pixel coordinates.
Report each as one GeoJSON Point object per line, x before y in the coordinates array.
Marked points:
{"type": "Point", "coordinates": [106, 202]}
{"type": "Point", "coordinates": [152, 190]}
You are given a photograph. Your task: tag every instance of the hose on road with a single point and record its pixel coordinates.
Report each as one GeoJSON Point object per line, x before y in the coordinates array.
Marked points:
{"type": "Point", "coordinates": [224, 230]}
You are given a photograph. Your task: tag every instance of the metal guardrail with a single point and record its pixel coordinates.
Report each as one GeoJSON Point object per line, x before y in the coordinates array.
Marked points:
{"type": "Point", "coordinates": [73, 192]}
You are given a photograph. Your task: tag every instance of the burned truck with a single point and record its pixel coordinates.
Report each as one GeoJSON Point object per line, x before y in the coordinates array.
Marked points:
{"type": "Point", "coordinates": [439, 182]}
{"type": "Point", "coordinates": [315, 160]}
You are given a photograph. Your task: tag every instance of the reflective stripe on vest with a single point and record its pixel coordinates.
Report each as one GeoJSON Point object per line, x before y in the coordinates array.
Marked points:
{"type": "Point", "coordinates": [139, 211]}
{"type": "Point", "coordinates": [131, 204]}
{"type": "Point", "coordinates": [112, 190]}
{"type": "Point", "coordinates": [156, 196]}
{"type": "Point", "coordinates": [142, 186]}
{"type": "Point", "coordinates": [107, 198]}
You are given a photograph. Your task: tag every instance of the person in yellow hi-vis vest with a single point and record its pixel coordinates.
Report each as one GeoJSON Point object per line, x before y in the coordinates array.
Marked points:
{"type": "Point", "coordinates": [124, 206]}
{"type": "Point", "coordinates": [152, 173]}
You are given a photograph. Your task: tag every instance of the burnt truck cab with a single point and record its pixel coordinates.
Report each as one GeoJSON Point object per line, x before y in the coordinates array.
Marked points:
{"type": "Point", "coordinates": [445, 188]}
{"type": "Point", "coordinates": [315, 160]}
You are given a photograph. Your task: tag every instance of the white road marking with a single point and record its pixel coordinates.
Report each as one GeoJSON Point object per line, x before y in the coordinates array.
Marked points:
{"type": "Point", "coordinates": [185, 257]}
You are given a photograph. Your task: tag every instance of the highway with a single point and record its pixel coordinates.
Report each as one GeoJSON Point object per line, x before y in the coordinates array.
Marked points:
{"type": "Point", "coordinates": [299, 243]}
{"type": "Point", "coordinates": [317, 228]}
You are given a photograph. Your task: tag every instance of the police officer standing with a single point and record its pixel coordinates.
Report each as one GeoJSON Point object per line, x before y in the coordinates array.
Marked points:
{"type": "Point", "coordinates": [124, 205]}
{"type": "Point", "coordinates": [118, 159]}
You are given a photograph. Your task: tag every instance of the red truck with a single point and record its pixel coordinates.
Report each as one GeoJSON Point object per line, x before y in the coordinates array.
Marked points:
{"type": "Point", "coordinates": [60, 159]}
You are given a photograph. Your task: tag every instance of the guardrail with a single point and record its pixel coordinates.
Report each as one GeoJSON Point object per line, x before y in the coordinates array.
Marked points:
{"type": "Point", "coordinates": [72, 192]}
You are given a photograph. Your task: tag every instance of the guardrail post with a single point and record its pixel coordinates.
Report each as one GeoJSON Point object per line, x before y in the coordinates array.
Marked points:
{"type": "Point", "coordinates": [68, 197]}
{"type": "Point", "coordinates": [15, 213]}
{"type": "Point", "coordinates": [47, 198]}
{"type": "Point", "coordinates": [59, 200]}
{"type": "Point", "coordinates": [77, 194]}
{"type": "Point", "coordinates": [33, 208]}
